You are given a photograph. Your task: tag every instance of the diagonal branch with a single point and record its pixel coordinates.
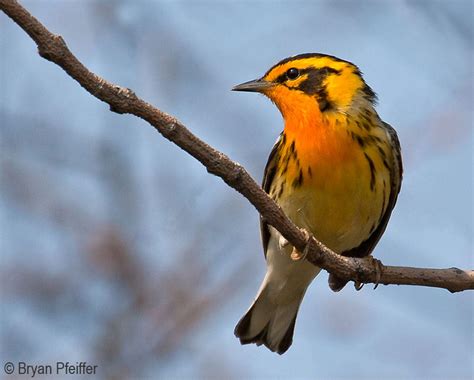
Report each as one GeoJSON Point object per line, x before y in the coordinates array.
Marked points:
{"type": "Point", "coordinates": [122, 100]}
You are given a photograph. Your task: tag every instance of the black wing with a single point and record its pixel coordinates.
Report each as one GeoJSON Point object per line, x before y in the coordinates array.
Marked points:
{"type": "Point", "coordinates": [268, 175]}
{"type": "Point", "coordinates": [367, 246]}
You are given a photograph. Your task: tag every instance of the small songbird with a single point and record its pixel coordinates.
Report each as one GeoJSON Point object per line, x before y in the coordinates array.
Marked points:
{"type": "Point", "coordinates": [335, 170]}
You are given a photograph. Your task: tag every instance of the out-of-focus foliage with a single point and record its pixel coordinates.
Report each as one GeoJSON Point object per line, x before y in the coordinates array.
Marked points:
{"type": "Point", "coordinates": [118, 249]}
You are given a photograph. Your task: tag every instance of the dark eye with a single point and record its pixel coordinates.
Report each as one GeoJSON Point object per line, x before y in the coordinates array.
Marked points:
{"type": "Point", "coordinates": [292, 73]}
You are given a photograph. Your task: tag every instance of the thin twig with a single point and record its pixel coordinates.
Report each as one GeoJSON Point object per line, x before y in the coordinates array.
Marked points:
{"type": "Point", "coordinates": [122, 100]}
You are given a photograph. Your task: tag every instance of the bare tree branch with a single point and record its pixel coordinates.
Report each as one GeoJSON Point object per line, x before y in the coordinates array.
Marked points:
{"type": "Point", "coordinates": [122, 100]}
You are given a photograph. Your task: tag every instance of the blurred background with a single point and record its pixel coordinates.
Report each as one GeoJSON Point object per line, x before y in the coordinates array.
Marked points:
{"type": "Point", "coordinates": [119, 249]}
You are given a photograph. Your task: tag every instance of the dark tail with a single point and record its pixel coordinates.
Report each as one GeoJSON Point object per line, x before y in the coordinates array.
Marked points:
{"type": "Point", "coordinates": [268, 323]}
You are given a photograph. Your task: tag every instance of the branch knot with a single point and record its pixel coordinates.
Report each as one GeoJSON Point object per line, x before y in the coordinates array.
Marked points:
{"type": "Point", "coordinates": [172, 129]}
{"type": "Point", "coordinates": [235, 176]}
{"type": "Point", "coordinates": [54, 49]}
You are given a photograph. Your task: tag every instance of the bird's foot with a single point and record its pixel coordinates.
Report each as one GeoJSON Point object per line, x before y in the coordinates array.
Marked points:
{"type": "Point", "coordinates": [282, 242]}
{"type": "Point", "coordinates": [297, 255]}
{"type": "Point", "coordinates": [378, 267]}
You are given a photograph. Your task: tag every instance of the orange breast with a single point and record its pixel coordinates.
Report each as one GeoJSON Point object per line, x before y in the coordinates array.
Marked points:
{"type": "Point", "coordinates": [327, 183]}
{"type": "Point", "coordinates": [323, 148]}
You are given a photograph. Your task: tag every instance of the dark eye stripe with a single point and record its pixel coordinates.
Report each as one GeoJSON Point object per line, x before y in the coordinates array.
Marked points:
{"type": "Point", "coordinates": [321, 72]}
{"type": "Point", "coordinates": [314, 82]}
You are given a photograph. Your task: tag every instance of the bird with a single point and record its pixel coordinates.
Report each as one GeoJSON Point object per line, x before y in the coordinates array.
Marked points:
{"type": "Point", "coordinates": [336, 172]}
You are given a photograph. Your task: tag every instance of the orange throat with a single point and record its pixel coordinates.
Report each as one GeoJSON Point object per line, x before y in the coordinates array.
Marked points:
{"type": "Point", "coordinates": [318, 138]}
{"type": "Point", "coordinates": [322, 144]}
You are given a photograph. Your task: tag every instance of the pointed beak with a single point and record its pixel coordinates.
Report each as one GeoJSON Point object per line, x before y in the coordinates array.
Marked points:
{"type": "Point", "coordinates": [257, 85]}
